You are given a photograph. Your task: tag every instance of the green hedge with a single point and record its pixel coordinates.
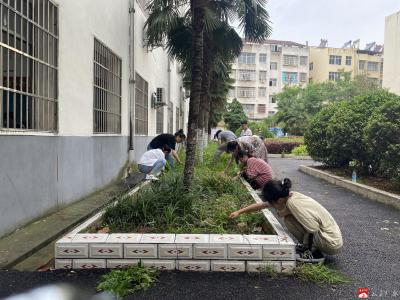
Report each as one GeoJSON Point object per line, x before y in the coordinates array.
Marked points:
{"type": "Point", "coordinates": [354, 131]}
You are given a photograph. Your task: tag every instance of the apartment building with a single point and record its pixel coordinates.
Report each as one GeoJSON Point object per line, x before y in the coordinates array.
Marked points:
{"type": "Point", "coordinates": [391, 67]}
{"type": "Point", "coordinates": [261, 72]}
{"type": "Point", "coordinates": [326, 63]}
{"type": "Point", "coordinates": [81, 96]}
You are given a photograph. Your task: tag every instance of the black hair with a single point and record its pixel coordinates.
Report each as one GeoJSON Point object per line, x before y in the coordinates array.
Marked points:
{"type": "Point", "coordinates": [275, 189]}
{"type": "Point", "coordinates": [242, 153]}
{"type": "Point", "coordinates": [231, 146]}
{"type": "Point", "coordinates": [243, 122]}
{"type": "Point", "coordinates": [217, 133]}
{"type": "Point", "coordinates": [180, 134]}
{"type": "Point", "coordinates": [166, 148]}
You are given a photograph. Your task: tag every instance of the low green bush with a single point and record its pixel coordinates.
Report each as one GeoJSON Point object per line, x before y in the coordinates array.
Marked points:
{"type": "Point", "coordinates": [300, 150]}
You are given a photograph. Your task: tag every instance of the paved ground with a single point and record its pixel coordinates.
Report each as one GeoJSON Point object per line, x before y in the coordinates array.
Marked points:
{"type": "Point", "coordinates": [370, 256]}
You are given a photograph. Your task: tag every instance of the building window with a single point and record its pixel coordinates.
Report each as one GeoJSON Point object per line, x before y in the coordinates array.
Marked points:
{"type": "Point", "coordinates": [272, 82]}
{"type": "Point", "coordinates": [263, 58]}
{"type": "Point", "coordinates": [289, 77]}
{"type": "Point", "coordinates": [273, 66]}
{"type": "Point", "coordinates": [290, 60]}
{"type": "Point", "coordinates": [373, 66]}
{"type": "Point", "coordinates": [247, 75]}
{"type": "Point", "coordinates": [160, 120]}
{"type": "Point", "coordinates": [348, 60]}
{"type": "Point", "coordinates": [335, 60]}
{"type": "Point", "coordinates": [249, 110]}
{"type": "Point", "coordinates": [170, 117]}
{"type": "Point", "coordinates": [303, 77]}
{"type": "Point", "coordinates": [246, 92]}
{"type": "Point", "coordinates": [29, 65]}
{"type": "Point", "coordinates": [311, 66]}
{"type": "Point", "coordinates": [333, 76]}
{"type": "Point", "coordinates": [262, 76]}
{"type": "Point", "coordinates": [247, 58]}
{"type": "Point", "coordinates": [276, 48]}
{"type": "Point", "coordinates": [272, 99]}
{"type": "Point", "coordinates": [361, 64]}
{"type": "Point", "coordinates": [141, 105]}
{"type": "Point", "coordinates": [107, 90]}
{"type": "Point", "coordinates": [232, 93]}
{"type": "Point", "coordinates": [262, 92]}
{"type": "Point", "coordinates": [261, 108]}
{"type": "Point", "coordinates": [303, 60]}
{"type": "Point", "coordinates": [178, 119]}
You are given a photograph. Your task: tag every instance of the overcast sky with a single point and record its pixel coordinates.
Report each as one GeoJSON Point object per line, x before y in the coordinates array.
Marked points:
{"type": "Point", "coordinates": [336, 20]}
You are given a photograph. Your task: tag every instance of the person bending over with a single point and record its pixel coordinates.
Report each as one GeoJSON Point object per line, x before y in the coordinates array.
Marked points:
{"type": "Point", "coordinates": [256, 171]}
{"type": "Point", "coordinates": [153, 162]}
{"type": "Point", "coordinates": [307, 220]}
{"type": "Point", "coordinates": [223, 136]}
{"type": "Point", "coordinates": [171, 140]}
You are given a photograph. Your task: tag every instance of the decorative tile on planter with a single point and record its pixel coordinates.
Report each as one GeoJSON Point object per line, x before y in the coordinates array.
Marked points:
{"type": "Point", "coordinates": [63, 264]}
{"type": "Point", "coordinates": [90, 238]}
{"type": "Point", "coordinates": [226, 238]}
{"type": "Point", "coordinates": [67, 238]}
{"type": "Point", "coordinates": [175, 251]}
{"type": "Point", "coordinates": [105, 251]}
{"type": "Point", "coordinates": [89, 263]}
{"type": "Point", "coordinates": [260, 239]}
{"type": "Point", "coordinates": [121, 263]}
{"type": "Point", "coordinates": [288, 266]}
{"type": "Point", "coordinates": [285, 240]}
{"type": "Point", "coordinates": [247, 252]}
{"type": "Point", "coordinates": [192, 238]}
{"type": "Point", "coordinates": [70, 250]}
{"type": "Point", "coordinates": [124, 238]}
{"type": "Point", "coordinates": [193, 265]}
{"type": "Point", "coordinates": [140, 251]}
{"type": "Point", "coordinates": [260, 266]}
{"type": "Point", "coordinates": [228, 266]}
{"type": "Point", "coordinates": [209, 251]}
{"type": "Point", "coordinates": [157, 238]}
{"type": "Point", "coordinates": [159, 264]}
{"type": "Point", "coordinates": [278, 252]}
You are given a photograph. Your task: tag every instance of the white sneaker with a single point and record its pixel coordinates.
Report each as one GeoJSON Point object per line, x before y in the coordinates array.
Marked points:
{"type": "Point", "coordinates": [151, 177]}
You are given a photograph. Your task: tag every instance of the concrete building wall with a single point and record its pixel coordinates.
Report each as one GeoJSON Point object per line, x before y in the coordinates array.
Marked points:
{"type": "Point", "coordinates": [391, 66]}
{"type": "Point", "coordinates": [41, 172]}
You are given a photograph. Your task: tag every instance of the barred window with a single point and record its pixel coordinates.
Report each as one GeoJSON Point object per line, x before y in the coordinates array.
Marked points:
{"type": "Point", "coordinates": [272, 82]}
{"type": "Point", "coordinates": [261, 108]}
{"type": "Point", "coordinates": [333, 76]}
{"type": "Point", "coordinates": [335, 60]}
{"type": "Point", "coordinates": [170, 117]}
{"type": "Point", "coordinates": [303, 77]}
{"type": "Point", "coordinates": [362, 64]}
{"type": "Point", "coordinates": [262, 92]}
{"type": "Point", "coordinates": [348, 60]}
{"type": "Point", "coordinates": [246, 92]}
{"type": "Point", "coordinates": [262, 76]}
{"type": "Point", "coordinates": [303, 60]}
{"type": "Point", "coordinates": [273, 66]}
{"type": "Point", "coordinates": [160, 120]}
{"type": "Point", "coordinates": [290, 60]}
{"type": "Point", "coordinates": [141, 105]}
{"type": "Point", "coordinates": [249, 110]}
{"type": "Point", "coordinates": [247, 75]}
{"type": "Point", "coordinates": [29, 65]}
{"type": "Point", "coordinates": [247, 58]}
{"type": "Point", "coordinates": [289, 77]}
{"type": "Point", "coordinates": [263, 58]}
{"type": "Point", "coordinates": [373, 66]}
{"type": "Point", "coordinates": [178, 119]}
{"type": "Point", "coordinates": [107, 90]}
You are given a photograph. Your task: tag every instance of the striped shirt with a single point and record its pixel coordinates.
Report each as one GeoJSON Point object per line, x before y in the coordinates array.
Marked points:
{"type": "Point", "coordinates": [259, 171]}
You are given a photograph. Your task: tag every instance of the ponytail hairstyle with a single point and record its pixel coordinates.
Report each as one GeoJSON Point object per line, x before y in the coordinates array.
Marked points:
{"type": "Point", "coordinates": [217, 133]}
{"type": "Point", "coordinates": [180, 134]}
{"type": "Point", "coordinates": [166, 148]}
{"type": "Point", "coordinates": [275, 189]}
{"type": "Point", "coordinates": [231, 146]}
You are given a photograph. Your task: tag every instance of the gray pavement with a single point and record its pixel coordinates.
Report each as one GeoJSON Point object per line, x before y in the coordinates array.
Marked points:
{"type": "Point", "coordinates": [370, 256]}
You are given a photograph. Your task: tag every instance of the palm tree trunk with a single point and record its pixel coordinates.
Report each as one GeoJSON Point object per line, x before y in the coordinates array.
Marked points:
{"type": "Point", "coordinates": [197, 7]}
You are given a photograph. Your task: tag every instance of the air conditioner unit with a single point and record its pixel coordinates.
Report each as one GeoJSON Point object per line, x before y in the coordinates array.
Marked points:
{"type": "Point", "coordinates": [158, 98]}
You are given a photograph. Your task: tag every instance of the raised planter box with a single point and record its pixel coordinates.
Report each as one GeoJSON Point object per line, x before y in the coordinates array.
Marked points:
{"type": "Point", "coordinates": [184, 252]}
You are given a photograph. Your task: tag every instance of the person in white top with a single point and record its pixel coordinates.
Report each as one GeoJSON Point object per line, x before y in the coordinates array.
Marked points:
{"type": "Point", "coordinates": [153, 161]}
{"type": "Point", "coordinates": [246, 131]}
{"type": "Point", "coordinates": [307, 220]}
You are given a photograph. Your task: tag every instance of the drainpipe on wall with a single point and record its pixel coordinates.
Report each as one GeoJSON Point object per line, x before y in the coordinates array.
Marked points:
{"type": "Point", "coordinates": [131, 75]}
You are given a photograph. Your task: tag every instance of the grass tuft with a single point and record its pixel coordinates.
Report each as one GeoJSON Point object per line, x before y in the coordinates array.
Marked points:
{"type": "Point", "coordinates": [321, 274]}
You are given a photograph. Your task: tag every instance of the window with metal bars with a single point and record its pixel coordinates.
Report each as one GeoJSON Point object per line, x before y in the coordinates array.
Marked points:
{"type": "Point", "coordinates": [29, 65]}
{"type": "Point", "coordinates": [107, 90]}
{"type": "Point", "coordinates": [170, 117]}
{"type": "Point", "coordinates": [160, 120]}
{"type": "Point", "coordinates": [141, 105]}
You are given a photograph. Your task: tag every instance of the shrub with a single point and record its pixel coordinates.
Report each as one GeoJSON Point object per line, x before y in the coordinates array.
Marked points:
{"type": "Point", "coordinates": [382, 135]}
{"type": "Point", "coordinates": [234, 115]}
{"type": "Point", "coordinates": [275, 147]}
{"type": "Point", "coordinates": [300, 150]}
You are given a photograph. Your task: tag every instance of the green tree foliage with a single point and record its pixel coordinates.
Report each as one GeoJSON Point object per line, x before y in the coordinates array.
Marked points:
{"type": "Point", "coordinates": [297, 105]}
{"type": "Point", "coordinates": [382, 135]}
{"type": "Point", "coordinates": [234, 115]}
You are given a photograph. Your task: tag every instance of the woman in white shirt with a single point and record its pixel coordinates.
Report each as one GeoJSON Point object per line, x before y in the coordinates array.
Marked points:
{"type": "Point", "coordinates": [153, 161]}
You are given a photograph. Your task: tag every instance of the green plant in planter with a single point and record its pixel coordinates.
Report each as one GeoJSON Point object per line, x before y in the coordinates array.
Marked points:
{"type": "Point", "coordinates": [300, 150]}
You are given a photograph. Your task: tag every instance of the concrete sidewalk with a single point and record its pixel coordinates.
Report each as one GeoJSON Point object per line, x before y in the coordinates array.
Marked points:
{"type": "Point", "coordinates": [19, 245]}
